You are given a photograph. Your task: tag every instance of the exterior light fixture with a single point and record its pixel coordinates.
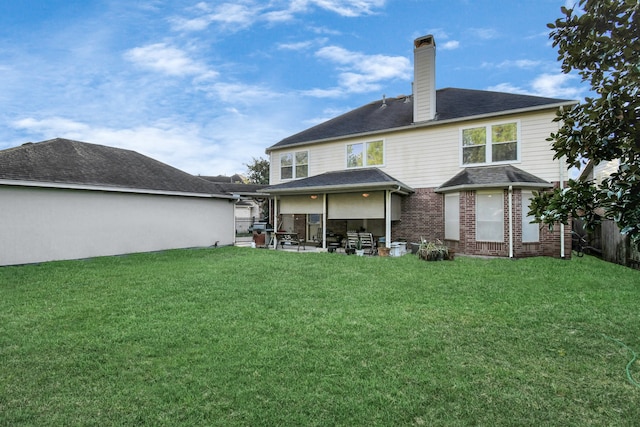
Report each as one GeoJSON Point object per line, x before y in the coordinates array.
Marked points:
{"type": "Point", "coordinates": [314, 196]}
{"type": "Point", "coordinates": [365, 194]}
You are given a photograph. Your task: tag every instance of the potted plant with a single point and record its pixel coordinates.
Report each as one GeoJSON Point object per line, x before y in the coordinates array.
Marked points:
{"type": "Point", "coordinates": [433, 251]}
{"type": "Point", "coordinates": [383, 251]}
{"type": "Point", "coordinates": [359, 248]}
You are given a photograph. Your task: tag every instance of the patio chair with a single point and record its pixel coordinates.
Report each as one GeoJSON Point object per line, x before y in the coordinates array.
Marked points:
{"type": "Point", "coordinates": [368, 242]}
{"type": "Point", "coordinates": [352, 239]}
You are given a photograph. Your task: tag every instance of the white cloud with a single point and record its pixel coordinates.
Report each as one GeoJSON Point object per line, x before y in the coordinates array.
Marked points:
{"type": "Point", "coordinates": [240, 93]}
{"type": "Point", "coordinates": [484, 33]}
{"type": "Point", "coordinates": [296, 46]}
{"type": "Point", "coordinates": [517, 63]}
{"type": "Point", "coordinates": [166, 59]}
{"type": "Point", "coordinates": [236, 16]}
{"type": "Point", "coordinates": [556, 85]}
{"type": "Point", "coordinates": [450, 45]}
{"type": "Point", "coordinates": [509, 88]}
{"type": "Point", "coordinates": [548, 85]}
{"type": "Point", "coordinates": [231, 16]}
{"type": "Point", "coordinates": [350, 8]}
{"type": "Point", "coordinates": [186, 146]}
{"type": "Point", "coordinates": [361, 73]}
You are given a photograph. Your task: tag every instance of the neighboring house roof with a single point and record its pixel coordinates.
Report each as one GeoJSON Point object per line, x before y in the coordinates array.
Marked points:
{"type": "Point", "coordinates": [355, 179]}
{"type": "Point", "coordinates": [235, 178]}
{"type": "Point", "coordinates": [236, 187]}
{"type": "Point", "coordinates": [492, 177]}
{"type": "Point", "coordinates": [74, 164]}
{"type": "Point", "coordinates": [390, 113]}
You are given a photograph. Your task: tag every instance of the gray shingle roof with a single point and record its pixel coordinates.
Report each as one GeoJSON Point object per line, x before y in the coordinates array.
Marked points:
{"type": "Point", "coordinates": [452, 103]}
{"type": "Point", "coordinates": [65, 161]}
{"type": "Point", "coordinates": [368, 178]}
{"type": "Point", "coordinates": [492, 176]}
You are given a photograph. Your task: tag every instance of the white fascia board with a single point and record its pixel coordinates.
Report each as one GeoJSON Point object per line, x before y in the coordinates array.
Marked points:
{"type": "Point", "coordinates": [87, 187]}
{"type": "Point", "coordinates": [465, 187]}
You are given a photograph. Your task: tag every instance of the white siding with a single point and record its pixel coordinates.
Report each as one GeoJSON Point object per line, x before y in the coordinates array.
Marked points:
{"type": "Point", "coordinates": [426, 157]}
{"type": "Point", "coordinates": [39, 225]}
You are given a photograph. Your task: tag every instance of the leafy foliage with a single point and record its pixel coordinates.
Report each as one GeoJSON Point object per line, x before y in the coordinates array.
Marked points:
{"type": "Point", "coordinates": [601, 42]}
{"type": "Point", "coordinates": [258, 171]}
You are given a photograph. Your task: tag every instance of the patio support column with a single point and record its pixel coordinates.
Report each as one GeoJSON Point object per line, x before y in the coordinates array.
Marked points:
{"type": "Point", "coordinates": [324, 221]}
{"type": "Point", "coordinates": [387, 218]}
{"type": "Point", "coordinates": [275, 221]}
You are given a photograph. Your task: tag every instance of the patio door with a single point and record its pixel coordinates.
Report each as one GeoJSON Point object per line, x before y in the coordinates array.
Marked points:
{"type": "Point", "coordinates": [314, 227]}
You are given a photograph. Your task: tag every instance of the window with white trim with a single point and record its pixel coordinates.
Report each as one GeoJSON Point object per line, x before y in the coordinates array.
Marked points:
{"type": "Point", "coordinates": [365, 154]}
{"type": "Point", "coordinates": [490, 216]}
{"type": "Point", "coordinates": [496, 143]}
{"type": "Point", "coordinates": [530, 231]}
{"type": "Point", "coordinates": [294, 165]}
{"type": "Point", "coordinates": [452, 216]}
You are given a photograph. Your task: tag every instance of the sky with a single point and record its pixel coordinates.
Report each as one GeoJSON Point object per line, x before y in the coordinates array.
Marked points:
{"type": "Point", "coordinates": [207, 86]}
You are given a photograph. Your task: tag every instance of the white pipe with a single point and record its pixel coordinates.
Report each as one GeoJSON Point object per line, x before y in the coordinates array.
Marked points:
{"type": "Point", "coordinates": [562, 251]}
{"type": "Point", "coordinates": [511, 221]}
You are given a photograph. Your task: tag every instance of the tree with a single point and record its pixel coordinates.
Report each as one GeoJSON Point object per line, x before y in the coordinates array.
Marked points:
{"type": "Point", "coordinates": [258, 171]}
{"type": "Point", "coordinates": [602, 43]}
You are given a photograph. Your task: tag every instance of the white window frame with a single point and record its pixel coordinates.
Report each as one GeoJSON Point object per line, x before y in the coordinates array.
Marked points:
{"type": "Point", "coordinates": [489, 144]}
{"type": "Point", "coordinates": [530, 231]}
{"type": "Point", "coordinates": [491, 215]}
{"type": "Point", "coordinates": [294, 164]}
{"type": "Point", "coordinates": [365, 145]}
{"type": "Point", "coordinates": [452, 216]}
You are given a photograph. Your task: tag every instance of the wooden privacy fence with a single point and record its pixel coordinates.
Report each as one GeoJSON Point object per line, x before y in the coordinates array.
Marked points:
{"type": "Point", "coordinates": [615, 247]}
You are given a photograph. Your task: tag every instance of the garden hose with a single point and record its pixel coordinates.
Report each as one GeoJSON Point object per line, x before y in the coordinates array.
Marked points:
{"type": "Point", "coordinates": [631, 362]}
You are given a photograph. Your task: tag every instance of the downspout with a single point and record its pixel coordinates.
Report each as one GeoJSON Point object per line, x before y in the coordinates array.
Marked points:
{"type": "Point", "coordinates": [511, 221]}
{"type": "Point", "coordinates": [562, 254]}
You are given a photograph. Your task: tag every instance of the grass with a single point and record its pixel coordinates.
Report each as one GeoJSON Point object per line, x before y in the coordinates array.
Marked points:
{"type": "Point", "coordinates": [245, 337]}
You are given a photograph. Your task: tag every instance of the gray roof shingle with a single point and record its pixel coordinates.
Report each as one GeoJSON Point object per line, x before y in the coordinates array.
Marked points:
{"type": "Point", "coordinates": [492, 176]}
{"type": "Point", "coordinates": [65, 161]}
{"type": "Point", "coordinates": [340, 180]}
{"type": "Point", "coordinates": [452, 103]}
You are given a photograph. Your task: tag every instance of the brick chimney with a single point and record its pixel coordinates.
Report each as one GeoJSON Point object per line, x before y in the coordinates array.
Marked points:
{"type": "Point", "coordinates": [424, 79]}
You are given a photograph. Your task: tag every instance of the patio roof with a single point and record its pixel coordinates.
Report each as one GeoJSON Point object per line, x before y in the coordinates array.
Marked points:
{"type": "Point", "coordinates": [492, 177]}
{"type": "Point", "coordinates": [341, 182]}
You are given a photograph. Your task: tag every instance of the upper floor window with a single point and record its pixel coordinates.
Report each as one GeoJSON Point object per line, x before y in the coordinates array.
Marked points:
{"type": "Point", "coordinates": [365, 154]}
{"type": "Point", "coordinates": [294, 165]}
{"type": "Point", "coordinates": [496, 143]}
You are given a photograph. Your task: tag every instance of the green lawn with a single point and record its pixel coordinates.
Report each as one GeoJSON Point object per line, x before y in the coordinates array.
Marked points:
{"type": "Point", "coordinates": [239, 336]}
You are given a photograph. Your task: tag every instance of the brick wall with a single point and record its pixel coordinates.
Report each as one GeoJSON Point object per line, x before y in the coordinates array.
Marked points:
{"type": "Point", "coordinates": [423, 217]}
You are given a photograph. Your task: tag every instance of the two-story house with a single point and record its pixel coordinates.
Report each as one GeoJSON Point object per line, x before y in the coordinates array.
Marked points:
{"type": "Point", "coordinates": [451, 164]}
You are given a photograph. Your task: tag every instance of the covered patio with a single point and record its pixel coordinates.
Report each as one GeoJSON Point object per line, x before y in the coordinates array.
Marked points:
{"type": "Point", "coordinates": [322, 209]}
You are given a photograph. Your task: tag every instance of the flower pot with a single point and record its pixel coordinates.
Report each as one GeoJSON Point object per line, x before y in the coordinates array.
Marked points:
{"type": "Point", "coordinates": [383, 251]}
{"type": "Point", "coordinates": [360, 252]}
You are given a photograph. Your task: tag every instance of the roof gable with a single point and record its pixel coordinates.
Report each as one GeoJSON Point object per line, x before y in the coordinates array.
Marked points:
{"type": "Point", "coordinates": [64, 161]}
{"type": "Point", "coordinates": [390, 113]}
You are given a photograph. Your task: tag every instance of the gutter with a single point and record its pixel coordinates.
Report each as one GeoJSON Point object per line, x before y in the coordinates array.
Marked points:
{"type": "Point", "coordinates": [534, 185]}
{"type": "Point", "coordinates": [88, 187]}
{"type": "Point", "coordinates": [342, 188]}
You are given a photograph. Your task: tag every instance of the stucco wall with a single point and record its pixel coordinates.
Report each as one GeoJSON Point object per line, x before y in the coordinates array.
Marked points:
{"type": "Point", "coordinates": [38, 224]}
